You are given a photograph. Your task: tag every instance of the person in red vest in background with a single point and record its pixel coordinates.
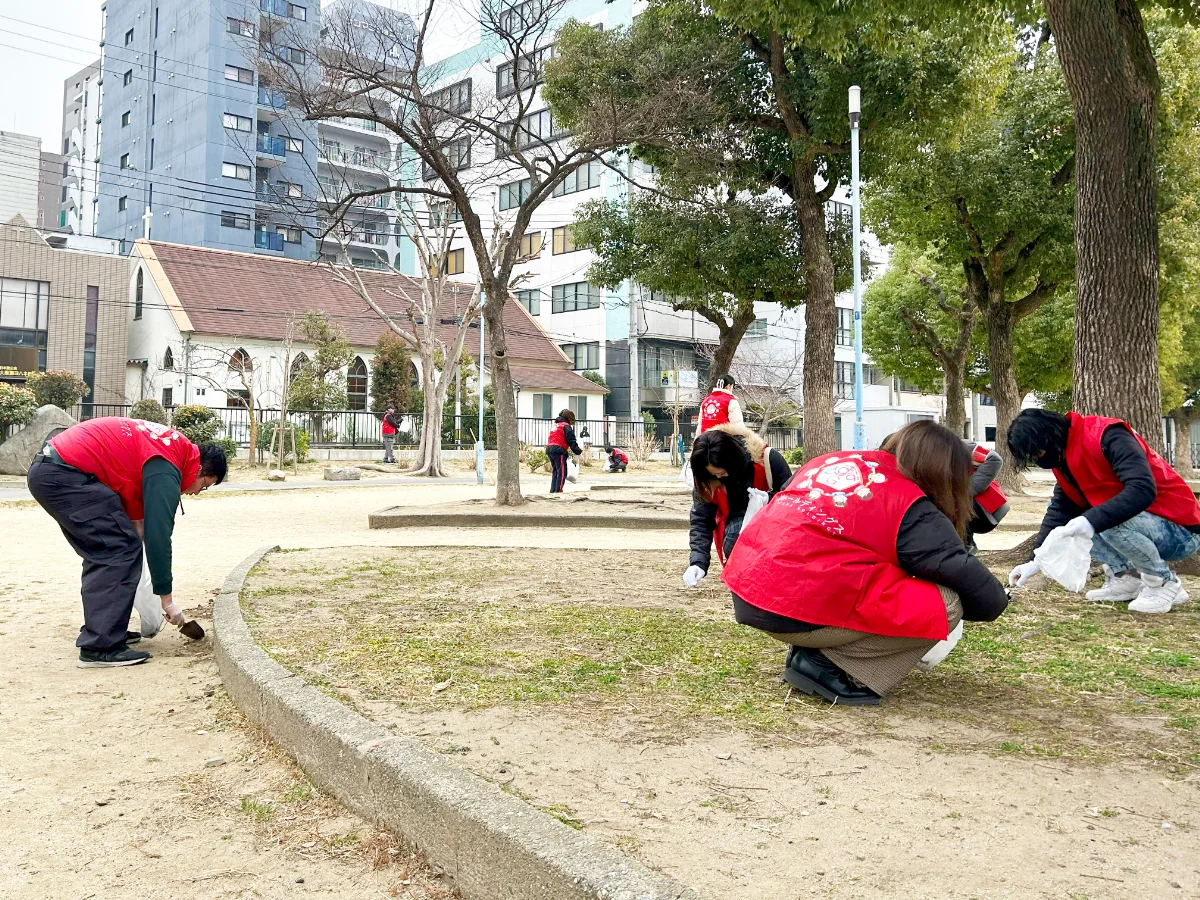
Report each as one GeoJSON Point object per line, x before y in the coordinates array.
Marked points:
{"type": "Point", "coordinates": [562, 439]}
{"type": "Point", "coordinates": [1113, 488]}
{"type": "Point", "coordinates": [389, 426]}
{"type": "Point", "coordinates": [618, 461]}
{"type": "Point", "coordinates": [720, 407]}
{"type": "Point", "coordinates": [990, 503]}
{"type": "Point", "coordinates": [859, 564]}
{"type": "Point", "coordinates": [111, 483]}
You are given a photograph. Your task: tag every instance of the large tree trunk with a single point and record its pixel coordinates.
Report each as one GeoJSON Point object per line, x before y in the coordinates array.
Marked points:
{"type": "Point", "coordinates": [727, 347]}
{"type": "Point", "coordinates": [1000, 320]}
{"type": "Point", "coordinates": [508, 461]}
{"type": "Point", "coordinates": [1110, 71]}
{"type": "Point", "coordinates": [1183, 442]}
{"type": "Point", "coordinates": [956, 408]}
{"type": "Point", "coordinates": [820, 317]}
{"type": "Point", "coordinates": [429, 451]}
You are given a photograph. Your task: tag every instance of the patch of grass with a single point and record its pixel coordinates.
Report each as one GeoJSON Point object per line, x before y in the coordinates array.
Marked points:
{"type": "Point", "coordinates": [564, 814]}
{"type": "Point", "coordinates": [1184, 723]}
{"type": "Point", "coordinates": [261, 811]}
{"type": "Point", "coordinates": [300, 792]}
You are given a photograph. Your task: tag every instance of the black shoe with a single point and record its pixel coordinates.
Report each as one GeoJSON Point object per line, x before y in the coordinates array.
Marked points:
{"type": "Point", "coordinates": [132, 637]}
{"type": "Point", "coordinates": [812, 672]}
{"type": "Point", "coordinates": [114, 656]}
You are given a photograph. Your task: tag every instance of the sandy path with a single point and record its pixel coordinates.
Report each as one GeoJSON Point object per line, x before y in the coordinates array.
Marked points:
{"type": "Point", "coordinates": [137, 738]}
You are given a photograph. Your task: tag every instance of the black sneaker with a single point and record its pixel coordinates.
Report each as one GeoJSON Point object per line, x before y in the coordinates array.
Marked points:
{"type": "Point", "coordinates": [132, 637]}
{"type": "Point", "coordinates": [114, 656]}
{"type": "Point", "coordinates": [812, 672]}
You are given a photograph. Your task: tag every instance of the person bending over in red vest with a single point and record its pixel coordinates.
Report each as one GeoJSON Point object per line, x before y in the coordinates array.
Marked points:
{"type": "Point", "coordinates": [1113, 488]}
{"type": "Point", "coordinates": [562, 439]}
{"type": "Point", "coordinates": [990, 504]}
{"type": "Point", "coordinates": [859, 564]}
{"type": "Point", "coordinates": [726, 461]}
{"type": "Point", "coordinates": [618, 461]}
{"type": "Point", "coordinates": [110, 483]}
{"type": "Point", "coordinates": [720, 407]}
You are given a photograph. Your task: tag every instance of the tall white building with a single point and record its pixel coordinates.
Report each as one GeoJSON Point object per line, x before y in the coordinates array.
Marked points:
{"type": "Point", "coordinates": [20, 167]}
{"type": "Point", "coordinates": [81, 146]}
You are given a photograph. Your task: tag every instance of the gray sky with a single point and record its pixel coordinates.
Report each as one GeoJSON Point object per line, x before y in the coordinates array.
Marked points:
{"type": "Point", "coordinates": [34, 63]}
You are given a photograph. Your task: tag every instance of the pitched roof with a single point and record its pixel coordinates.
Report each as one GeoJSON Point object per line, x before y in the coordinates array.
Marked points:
{"type": "Point", "coordinates": [555, 379]}
{"type": "Point", "coordinates": [246, 295]}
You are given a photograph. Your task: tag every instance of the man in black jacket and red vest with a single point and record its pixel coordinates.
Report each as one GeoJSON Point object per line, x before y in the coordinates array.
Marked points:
{"type": "Point", "coordinates": [1112, 487]}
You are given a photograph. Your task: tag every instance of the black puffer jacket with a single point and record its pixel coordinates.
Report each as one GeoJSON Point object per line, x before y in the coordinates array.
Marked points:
{"type": "Point", "coordinates": [704, 513]}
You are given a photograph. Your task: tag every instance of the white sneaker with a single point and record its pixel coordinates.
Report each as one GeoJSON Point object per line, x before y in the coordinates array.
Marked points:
{"type": "Point", "coordinates": [1159, 598]}
{"type": "Point", "coordinates": [1116, 589]}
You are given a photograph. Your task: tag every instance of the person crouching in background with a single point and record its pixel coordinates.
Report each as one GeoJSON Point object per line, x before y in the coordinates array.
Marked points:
{"type": "Point", "coordinates": [859, 564]}
{"type": "Point", "coordinates": [989, 502]}
{"type": "Point", "coordinates": [726, 461]}
{"type": "Point", "coordinates": [562, 439]}
{"type": "Point", "coordinates": [618, 461]}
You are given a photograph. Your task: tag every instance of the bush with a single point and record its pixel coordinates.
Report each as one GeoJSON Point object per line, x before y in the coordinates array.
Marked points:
{"type": "Point", "coordinates": [149, 411]}
{"type": "Point", "coordinates": [57, 387]}
{"type": "Point", "coordinates": [266, 434]}
{"type": "Point", "coordinates": [229, 445]}
{"type": "Point", "coordinates": [198, 424]}
{"type": "Point", "coordinates": [795, 457]}
{"type": "Point", "coordinates": [536, 460]}
{"type": "Point", "coordinates": [17, 407]}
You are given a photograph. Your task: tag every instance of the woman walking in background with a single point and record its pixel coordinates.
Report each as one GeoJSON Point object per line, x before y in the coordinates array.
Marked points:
{"type": "Point", "coordinates": [562, 439]}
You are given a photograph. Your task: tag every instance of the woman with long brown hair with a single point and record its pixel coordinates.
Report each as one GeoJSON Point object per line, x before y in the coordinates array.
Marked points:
{"type": "Point", "coordinates": [859, 564]}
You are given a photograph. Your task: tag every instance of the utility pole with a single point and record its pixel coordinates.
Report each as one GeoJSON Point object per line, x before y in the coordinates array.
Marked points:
{"type": "Point", "coordinates": [479, 442]}
{"type": "Point", "coordinates": [860, 435]}
{"type": "Point", "coordinates": [635, 399]}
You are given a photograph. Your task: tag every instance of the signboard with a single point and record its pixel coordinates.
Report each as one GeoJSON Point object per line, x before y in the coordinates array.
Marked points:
{"type": "Point", "coordinates": [688, 378]}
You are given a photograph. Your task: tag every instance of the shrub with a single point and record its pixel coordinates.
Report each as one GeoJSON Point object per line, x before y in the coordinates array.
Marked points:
{"type": "Point", "coordinates": [229, 445]}
{"type": "Point", "coordinates": [17, 407]}
{"type": "Point", "coordinates": [198, 424]}
{"type": "Point", "coordinates": [266, 434]}
{"type": "Point", "coordinates": [795, 457]}
{"type": "Point", "coordinates": [57, 387]}
{"type": "Point", "coordinates": [536, 459]}
{"type": "Point", "coordinates": [640, 448]}
{"type": "Point", "coordinates": [149, 411]}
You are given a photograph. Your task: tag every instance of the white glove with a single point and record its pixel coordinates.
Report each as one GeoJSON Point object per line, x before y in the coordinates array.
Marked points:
{"type": "Point", "coordinates": [1022, 573]}
{"type": "Point", "coordinates": [174, 614]}
{"type": "Point", "coordinates": [1079, 527]}
{"type": "Point", "coordinates": [691, 578]}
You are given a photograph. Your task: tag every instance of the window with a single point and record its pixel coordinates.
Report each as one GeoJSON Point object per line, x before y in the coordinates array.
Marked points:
{"type": "Point", "coordinates": [234, 170]}
{"type": "Point", "coordinates": [237, 123]}
{"type": "Point", "coordinates": [583, 356]}
{"type": "Point", "coordinates": [293, 145]}
{"type": "Point", "coordinates": [845, 327]}
{"type": "Point", "coordinates": [451, 100]}
{"type": "Point", "coordinates": [582, 179]}
{"type": "Point", "coordinates": [356, 384]}
{"type": "Point", "coordinates": [168, 362]}
{"type": "Point", "coordinates": [125, 116]}
{"type": "Point", "coordinates": [129, 37]}
{"type": "Point", "coordinates": [531, 300]}
{"type": "Point", "coordinates": [122, 204]}
{"type": "Point", "coordinates": [985, 400]}
{"type": "Point", "coordinates": [297, 12]}
{"type": "Point", "coordinates": [297, 366]}
{"type": "Point", "coordinates": [237, 399]}
{"type": "Point", "coordinates": [127, 79]}
{"type": "Point", "coordinates": [525, 73]}
{"type": "Point", "coordinates": [24, 316]}
{"type": "Point", "coordinates": [237, 73]}
{"type": "Point", "coordinates": [456, 261]}
{"type": "Point", "coordinates": [290, 234]}
{"type": "Point", "coordinates": [564, 240]}
{"type": "Point", "coordinates": [291, 54]}
{"type": "Point", "coordinates": [989, 433]}
{"type": "Point", "coordinates": [168, 397]}
{"type": "Point", "coordinates": [543, 406]}
{"type": "Point", "coordinates": [531, 245]}
{"type": "Point", "coordinates": [458, 155]}
{"type": "Point", "coordinates": [844, 377]}
{"type": "Point", "coordinates": [839, 212]}
{"type": "Point", "coordinates": [518, 18]}
{"type": "Point", "coordinates": [443, 212]}
{"type": "Point", "coordinates": [124, 160]}
{"type": "Point", "coordinates": [240, 27]}
{"type": "Point", "coordinates": [575, 296]}
{"type": "Point", "coordinates": [239, 361]}
{"type": "Point", "coordinates": [231, 219]}
{"type": "Point", "coordinates": [137, 294]}
{"type": "Point", "coordinates": [292, 190]}
{"type": "Point", "coordinates": [514, 193]}
{"type": "Point", "coordinates": [537, 128]}
{"type": "Point", "coordinates": [757, 329]}
{"type": "Point", "coordinates": [577, 403]}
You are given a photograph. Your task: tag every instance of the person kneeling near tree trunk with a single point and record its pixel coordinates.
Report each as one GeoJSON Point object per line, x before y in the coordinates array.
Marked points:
{"type": "Point", "coordinates": [859, 564]}
{"type": "Point", "coordinates": [1114, 489]}
{"type": "Point", "coordinates": [110, 483]}
{"type": "Point", "coordinates": [562, 439]}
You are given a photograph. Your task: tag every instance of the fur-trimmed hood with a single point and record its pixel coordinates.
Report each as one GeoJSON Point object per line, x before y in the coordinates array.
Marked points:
{"type": "Point", "coordinates": [754, 444]}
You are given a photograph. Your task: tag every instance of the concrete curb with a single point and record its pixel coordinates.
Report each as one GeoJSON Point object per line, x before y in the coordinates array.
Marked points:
{"type": "Point", "coordinates": [492, 845]}
{"type": "Point", "coordinates": [398, 517]}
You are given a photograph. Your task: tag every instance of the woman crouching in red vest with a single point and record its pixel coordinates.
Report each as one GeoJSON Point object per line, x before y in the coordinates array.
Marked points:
{"type": "Point", "coordinates": [859, 564]}
{"type": "Point", "coordinates": [562, 439]}
{"type": "Point", "coordinates": [726, 461]}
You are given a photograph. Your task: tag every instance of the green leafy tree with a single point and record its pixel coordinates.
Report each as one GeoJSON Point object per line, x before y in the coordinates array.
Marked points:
{"type": "Point", "coordinates": [149, 411]}
{"type": "Point", "coordinates": [391, 375]}
{"type": "Point", "coordinates": [198, 424]}
{"type": "Point", "coordinates": [57, 387]}
{"type": "Point", "coordinates": [320, 382]}
{"type": "Point", "coordinates": [17, 407]}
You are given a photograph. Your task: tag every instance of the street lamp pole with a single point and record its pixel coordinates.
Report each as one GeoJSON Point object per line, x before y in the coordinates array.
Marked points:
{"type": "Point", "coordinates": [479, 441]}
{"type": "Point", "coordinates": [860, 434]}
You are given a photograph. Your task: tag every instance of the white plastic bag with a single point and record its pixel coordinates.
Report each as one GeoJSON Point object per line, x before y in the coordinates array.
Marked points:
{"type": "Point", "coordinates": [1065, 559]}
{"type": "Point", "coordinates": [148, 606]}
{"type": "Point", "coordinates": [757, 500]}
{"type": "Point", "coordinates": [941, 649]}
{"type": "Point", "coordinates": [572, 471]}
{"type": "Point", "coordinates": [685, 475]}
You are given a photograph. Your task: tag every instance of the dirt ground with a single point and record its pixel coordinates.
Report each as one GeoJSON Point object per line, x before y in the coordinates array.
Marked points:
{"type": "Point", "coordinates": [1054, 756]}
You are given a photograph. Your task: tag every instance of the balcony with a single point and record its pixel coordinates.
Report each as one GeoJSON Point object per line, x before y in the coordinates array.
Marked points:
{"type": "Point", "coordinates": [332, 153]}
{"type": "Point", "coordinates": [350, 122]}
{"type": "Point", "coordinates": [264, 240]}
{"type": "Point", "coordinates": [267, 193]}
{"type": "Point", "coordinates": [272, 101]}
{"type": "Point", "coordinates": [273, 147]}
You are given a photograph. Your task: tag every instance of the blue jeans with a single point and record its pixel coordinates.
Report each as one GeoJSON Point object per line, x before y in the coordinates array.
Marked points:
{"type": "Point", "coordinates": [1146, 543]}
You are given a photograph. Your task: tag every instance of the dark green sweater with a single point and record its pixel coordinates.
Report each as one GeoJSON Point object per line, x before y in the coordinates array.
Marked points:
{"type": "Point", "coordinates": [161, 487]}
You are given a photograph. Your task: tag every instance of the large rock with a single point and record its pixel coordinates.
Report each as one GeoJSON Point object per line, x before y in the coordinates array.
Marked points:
{"type": "Point", "coordinates": [346, 473]}
{"type": "Point", "coordinates": [18, 451]}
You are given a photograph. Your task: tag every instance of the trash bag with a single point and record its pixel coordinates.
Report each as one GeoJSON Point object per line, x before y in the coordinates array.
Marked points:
{"type": "Point", "coordinates": [572, 471]}
{"type": "Point", "coordinates": [941, 649]}
{"type": "Point", "coordinates": [757, 500]}
{"type": "Point", "coordinates": [148, 606]}
{"type": "Point", "coordinates": [685, 475]}
{"type": "Point", "coordinates": [1065, 559]}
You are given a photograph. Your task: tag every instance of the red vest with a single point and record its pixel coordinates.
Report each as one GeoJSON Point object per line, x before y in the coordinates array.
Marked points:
{"type": "Point", "coordinates": [386, 427]}
{"type": "Point", "coordinates": [824, 551]}
{"type": "Point", "coordinates": [714, 410]}
{"type": "Point", "coordinates": [115, 449]}
{"type": "Point", "coordinates": [762, 482]}
{"type": "Point", "coordinates": [992, 498]}
{"type": "Point", "coordinates": [1085, 460]}
{"type": "Point", "coordinates": [558, 436]}
{"type": "Point", "coordinates": [619, 455]}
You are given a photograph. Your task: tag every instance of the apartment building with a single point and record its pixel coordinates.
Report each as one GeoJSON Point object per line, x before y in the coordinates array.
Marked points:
{"type": "Point", "coordinates": [81, 146]}
{"type": "Point", "coordinates": [20, 162]}
{"type": "Point", "coordinates": [195, 134]}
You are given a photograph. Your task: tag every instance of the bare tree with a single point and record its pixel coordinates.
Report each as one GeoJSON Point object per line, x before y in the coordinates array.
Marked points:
{"type": "Point", "coordinates": [770, 382]}
{"type": "Point", "coordinates": [457, 141]}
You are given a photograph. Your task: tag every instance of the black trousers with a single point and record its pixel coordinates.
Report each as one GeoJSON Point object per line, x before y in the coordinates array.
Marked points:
{"type": "Point", "coordinates": [558, 468]}
{"type": "Point", "coordinates": [99, 530]}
